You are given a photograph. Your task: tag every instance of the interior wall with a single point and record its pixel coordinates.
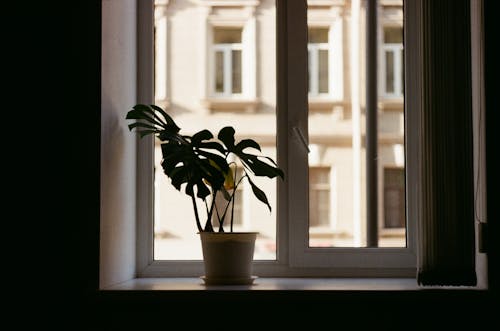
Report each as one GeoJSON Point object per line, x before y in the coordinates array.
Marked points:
{"type": "Point", "coordinates": [118, 145]}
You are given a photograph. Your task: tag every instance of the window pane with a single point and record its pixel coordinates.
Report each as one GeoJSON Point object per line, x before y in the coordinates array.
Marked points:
{"type": "Point", "coordinates": [227, 35]}
{"type": "Point", "coordinates": [219, 72]}
{"type": "Point", "coordinates": [323, 71]}
{"type": "Point", "coordinates": [193, 77]}
{"type": "Point", "coordinates": [389, 72]}
{"type": "Point", "coordinates": [319, 197]}
{"type": "Point", "coordinates": [222, 205]}
{"type": "Point", "coordinates": [337, 131]}
{"type": "Point", "coordinates": [394, 198]}
{"type": "Point", "coordinates": [310, 71]}
{"type": "Point", "coordinates": [402, 72]}
{"type": "Point", "coordinates": [236, 71]}
{"type": "Point", "coordinates": [318, 35]}
{"type": "Point", "coordinates": [393, 35]}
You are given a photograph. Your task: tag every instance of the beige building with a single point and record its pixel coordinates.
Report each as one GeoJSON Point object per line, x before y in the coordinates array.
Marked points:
{"type": "Point", "coordinates": [215, 65]}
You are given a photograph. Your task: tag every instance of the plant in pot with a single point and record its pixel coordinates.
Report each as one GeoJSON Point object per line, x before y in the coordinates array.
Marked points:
{"type": "Point", "coordinates": [204, 167]}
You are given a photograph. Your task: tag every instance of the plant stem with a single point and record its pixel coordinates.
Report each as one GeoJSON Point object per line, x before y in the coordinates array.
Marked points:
{"type": "Point", "coordinates": [208, 226]}
{"type": "Point", "coordinates": [232, 209]}
{"type": "Point", "coordinates": [198, 224]}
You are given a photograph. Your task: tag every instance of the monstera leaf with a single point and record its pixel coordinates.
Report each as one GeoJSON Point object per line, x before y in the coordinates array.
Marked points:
{"type": "Point", "coordinates": [192, 164]}
{"type": "Point", "coordinates": [251, 162]}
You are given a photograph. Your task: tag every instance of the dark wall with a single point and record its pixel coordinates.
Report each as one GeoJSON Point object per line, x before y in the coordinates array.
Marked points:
{"type": "Point", "coordinates": [82, 35]}
{"type": "Point", "coordinates": [492, 56]}
{"type": "Point", "coordinates": [82, 89]}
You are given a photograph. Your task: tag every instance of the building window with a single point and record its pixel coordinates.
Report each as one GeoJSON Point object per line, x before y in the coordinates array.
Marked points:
{"type": "Point", "coordinates": [319, 197]}
{"type": "Point", "coordinates": [227, 55]}
{"type": "Point", "coordinates": [319, 63]}
{"type": "Point", "coordinates": [394, 198]}
{"type": "Point", "coordinates": [392, 62]}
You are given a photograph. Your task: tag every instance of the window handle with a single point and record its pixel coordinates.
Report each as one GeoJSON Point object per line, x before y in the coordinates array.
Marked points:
{"type": "Point", "coordinates": [301, 138]}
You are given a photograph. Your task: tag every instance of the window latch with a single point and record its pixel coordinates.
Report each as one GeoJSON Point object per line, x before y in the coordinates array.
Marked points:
{"type": "Point", "coordinates": [301, 138]}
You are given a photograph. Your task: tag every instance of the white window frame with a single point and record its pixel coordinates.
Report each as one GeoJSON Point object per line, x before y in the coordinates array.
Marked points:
{"type": "Point", "coordinates": [294, 256]}
{"type": "Point", "coordinates": [396, 50]}
{"type": "Point", "coordinates": [226, 50]}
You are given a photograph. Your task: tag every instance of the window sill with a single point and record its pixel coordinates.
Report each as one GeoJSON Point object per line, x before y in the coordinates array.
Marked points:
{"type": "Point", "coordinates": [231, 105]}
{"type": "Point", "coordinates": [278, 284]}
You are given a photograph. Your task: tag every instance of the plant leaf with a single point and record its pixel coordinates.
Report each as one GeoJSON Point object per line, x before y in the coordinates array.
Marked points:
{"type": "Point", "coordinates": [178, 176]}
{"type": "Point", "coordinates": [142, 125]}
{"type": "Point", "coordinates": [170, 122]}
{"type": "Point", "coordinates": [225, 193]}
{"type": "Point", "coordinates": [260, 168]}
{"type": "Point", "coordinates": [213, 145]}
{"type": "Point", "coordinates": [137, 114]}
{"type": "Point", "coordinates": [218, 160]}
{"type": "Point", "coordinates": [203, 191]}
{"type": "Point", "coordinates": [245, 143]}
{"type": "Point", "coordinates": [259, 194]}
{"type": "Point", "coordinates": [226, 135]}
{"type": "Point", "coordinates": [149, 110]}
{"type": "Point", "coordinates": [201, 135]}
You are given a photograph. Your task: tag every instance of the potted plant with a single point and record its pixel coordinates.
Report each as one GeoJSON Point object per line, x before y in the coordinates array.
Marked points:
{"type": "Point", "coordinates": [203, 167]}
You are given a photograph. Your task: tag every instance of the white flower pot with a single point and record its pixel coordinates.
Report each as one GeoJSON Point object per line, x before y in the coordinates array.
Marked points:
{"type": "Point", "coordinates": [228, 257]}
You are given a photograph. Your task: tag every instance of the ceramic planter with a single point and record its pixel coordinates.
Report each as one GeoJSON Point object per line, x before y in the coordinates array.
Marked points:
{"type": "Point", "coordinates": [228, 257]}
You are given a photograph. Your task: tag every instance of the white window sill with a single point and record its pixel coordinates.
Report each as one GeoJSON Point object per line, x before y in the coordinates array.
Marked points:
{"type": "Point", "coordinates": [278, 284]}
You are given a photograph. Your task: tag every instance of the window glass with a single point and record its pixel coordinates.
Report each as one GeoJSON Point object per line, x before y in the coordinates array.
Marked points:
{"type": "Point", "coordinates": [394, 198]}
{"type": "Point", "coordinates": [206, 64]}
{"type": "Point", "coordinates": [393, 35]}
{"type": "Point", "coordinates": [236, 71]}
{"type": "Point", "coordinates": [227, 36]}
{"type": "Point", "coordinates": [337, 133]}
{"type": "Point", "coordinates": [318, 35]}
{"type": "Point", "coordinates": [319, 66]}
{"type": "Point", "coordinates": [389, 72]}
{"type": "Point", "coordinates": [319, 193]}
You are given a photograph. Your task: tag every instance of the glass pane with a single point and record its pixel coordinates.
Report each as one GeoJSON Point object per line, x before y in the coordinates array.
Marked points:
{"type": "Point", "coordinates": [319, 197]}
{"type": "Point", "coordinates": [192, 106]}
{"type": "Point", "coordinates": [226, 35]}
{"type": "Point", "coordinates": [309, 71]}
{"type": "Point", "coordinates": [389, 72]}
{"type": "Point", "coordinates": [393, 35]}
{"type": "Point", "coordinates": [337, 132]}
{"type": "Point", "coordinates": [323, 71]}
{"type": "Point", "coordinates": [219, 72]}
{"type": "Point", "coordinates": [236, 71]}
{"type": "Point", "coordinates": [318, 35]}
{"type": "Point", "coordinates": [402, 72]}
{"type": "Point", "coordinates": [394, 198]}
{"type": "Point", "coordinates": [220, 207]}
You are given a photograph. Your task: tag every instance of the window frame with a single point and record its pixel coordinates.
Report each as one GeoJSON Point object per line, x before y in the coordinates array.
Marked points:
{"type": "Point", "coordinates": [294, 257]}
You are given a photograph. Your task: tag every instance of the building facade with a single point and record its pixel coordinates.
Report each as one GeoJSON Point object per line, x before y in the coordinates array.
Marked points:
{"type": "Point", "coordinates": [215, 65]}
